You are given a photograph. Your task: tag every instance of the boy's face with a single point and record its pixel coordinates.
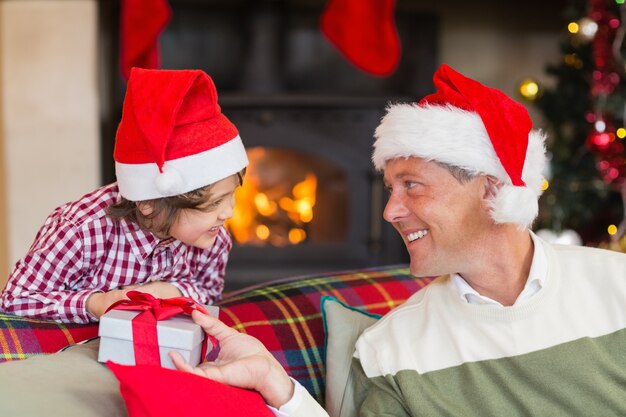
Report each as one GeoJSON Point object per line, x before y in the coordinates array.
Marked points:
{"type": "Point", "coordinates": [199, 227]}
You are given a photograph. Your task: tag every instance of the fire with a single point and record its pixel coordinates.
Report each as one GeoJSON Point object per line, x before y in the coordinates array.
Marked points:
{"type": "Point", "coordinates": [296, 236]}
{"type": "Point", "coordinates": [263, 205]}
{"type": "Point", "coordinates": [262, 232]}
{"type": "Point", "coordinates": [300, 207]}
{"type": "Point", "coordinates": [277, 215]}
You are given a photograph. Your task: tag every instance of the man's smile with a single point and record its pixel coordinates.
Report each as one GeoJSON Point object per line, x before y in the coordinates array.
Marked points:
{"type": "Point", "coordinates": [416, 235]}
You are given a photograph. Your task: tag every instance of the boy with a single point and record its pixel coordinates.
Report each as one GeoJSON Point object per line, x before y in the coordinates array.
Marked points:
{"type": "Point", "coordinates": [159, 229]}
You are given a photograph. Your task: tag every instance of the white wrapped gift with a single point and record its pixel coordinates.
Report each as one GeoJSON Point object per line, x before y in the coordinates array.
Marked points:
{"type": "Point", "coordinates": [178, 333]}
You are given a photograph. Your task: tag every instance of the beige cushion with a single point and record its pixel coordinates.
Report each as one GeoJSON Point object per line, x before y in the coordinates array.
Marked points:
{"type": "Point", "coordinates": [66, 384]}
{"type": "Point", "coordinates": [343, 326]}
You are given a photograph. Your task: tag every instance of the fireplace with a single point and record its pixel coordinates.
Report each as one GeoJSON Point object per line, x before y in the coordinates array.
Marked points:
{"type": "Point", "coordinates": [311, 176]}
{"type": "Point", "coordinates": [310, 201]}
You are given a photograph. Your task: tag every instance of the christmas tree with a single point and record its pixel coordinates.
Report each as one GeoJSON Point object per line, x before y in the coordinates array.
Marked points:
{"type": "Point", "coordinates": [585, 113]}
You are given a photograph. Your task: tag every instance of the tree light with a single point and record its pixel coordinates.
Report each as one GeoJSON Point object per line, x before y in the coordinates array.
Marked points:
{"type": "Point", "coordinates": [621, 133]}
{"type": "Point", "coordinates": [600, 126]}
{"type": "Point", "coordinates": [584, 30]}
{"type": "Point", "coordinates": [573, 61]}
{"type": "Point", "coordinates": [529, 89]}
{"type": "Point", "coordinates": [588, 27]}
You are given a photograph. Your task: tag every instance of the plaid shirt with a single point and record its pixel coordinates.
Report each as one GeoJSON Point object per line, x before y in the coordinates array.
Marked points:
{"type": "Point", "coordinates": [81, 250]}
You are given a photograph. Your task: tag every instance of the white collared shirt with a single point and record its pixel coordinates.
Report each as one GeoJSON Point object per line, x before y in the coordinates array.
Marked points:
{"type": "Point", "coordinates": [536, 280]}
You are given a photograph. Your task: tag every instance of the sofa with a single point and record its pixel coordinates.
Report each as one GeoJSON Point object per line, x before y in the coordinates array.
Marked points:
{"type": "Point", "coordinates": [285, 315]}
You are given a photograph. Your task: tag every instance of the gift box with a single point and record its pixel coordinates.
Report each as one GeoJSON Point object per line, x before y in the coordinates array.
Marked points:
{"type": "Point", "coordinates": [128, 339]}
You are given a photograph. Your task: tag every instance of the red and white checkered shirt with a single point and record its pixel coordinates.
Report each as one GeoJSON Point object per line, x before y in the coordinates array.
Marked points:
{"type": "Point", "coordinates": [81, 250]}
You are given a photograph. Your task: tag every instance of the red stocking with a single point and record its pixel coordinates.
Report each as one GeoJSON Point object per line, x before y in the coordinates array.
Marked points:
{"type": "Point", "coordinates": [141, 23]}
{"type": "Point", "coordinates": [365, 33]}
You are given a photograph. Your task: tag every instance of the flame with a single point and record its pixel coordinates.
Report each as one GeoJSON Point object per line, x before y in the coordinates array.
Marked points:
{"type": "Point", "coordinates": [242, 224]}
{"type": "Point", "coordinates": [305, 193]}
{"type": "Point", "coordinates": [262, 232]}
{"type": "Point", "coordinates": [264, 205]}
{"type": "Point", "coordinates": [296, 236]}
{"type": "Point", "coordinates": [260, 216]}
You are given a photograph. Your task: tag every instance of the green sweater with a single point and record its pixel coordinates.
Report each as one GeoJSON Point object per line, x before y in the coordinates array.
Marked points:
{"type": "Point", "coordinates": [561, 353]}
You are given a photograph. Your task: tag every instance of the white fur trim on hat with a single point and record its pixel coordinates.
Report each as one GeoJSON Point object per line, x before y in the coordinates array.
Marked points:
{"type": "Point", "coordinates": [140, 182]}
{"type": "Point", "coordinates": [458, 137]}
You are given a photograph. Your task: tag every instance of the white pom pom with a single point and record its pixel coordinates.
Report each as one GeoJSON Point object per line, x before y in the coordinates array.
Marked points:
{"type": "Point", "coordinates": [515, 205]}
{"type": "Point", "coordinates": [169, 182]}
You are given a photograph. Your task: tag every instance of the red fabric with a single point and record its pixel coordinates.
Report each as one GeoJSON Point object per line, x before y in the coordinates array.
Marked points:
{"type": "Point", "coordinates": [169, 115]}
{"type": "Point", "coordinates": [144, 325]}
{"type": "Point", "coordinates": [365, 32]}
{"type": "Point", "coordinates": [152, 391]}
{"type": "Point", "coordinates": [140, 25]}
{"type": "Point", "coordinates": [52, 337]}
{"type": "Point", "coordinates": [507, 122]}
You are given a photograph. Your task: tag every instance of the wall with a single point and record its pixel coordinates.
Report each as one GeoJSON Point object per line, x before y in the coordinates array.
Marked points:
{"type": "Point", "coordinates": [3, 193]}
{"type": "Point", "coordinates": [502, 43]}
{"type": "Point", "coordinates": [499, 43]}
{"type": "Point", "coordinates": [49, 116]}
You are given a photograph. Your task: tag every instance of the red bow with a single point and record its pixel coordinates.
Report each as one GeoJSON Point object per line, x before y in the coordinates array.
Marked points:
{"type": "Point", "coordinates": [145, 337]}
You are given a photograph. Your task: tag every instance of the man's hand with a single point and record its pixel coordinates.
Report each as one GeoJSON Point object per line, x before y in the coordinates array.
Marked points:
{"type": "Point", "coordinates": [242, 362]}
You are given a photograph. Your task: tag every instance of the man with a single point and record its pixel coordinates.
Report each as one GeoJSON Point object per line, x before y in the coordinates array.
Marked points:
{"type": "Point", "coordinates": [513, 325]}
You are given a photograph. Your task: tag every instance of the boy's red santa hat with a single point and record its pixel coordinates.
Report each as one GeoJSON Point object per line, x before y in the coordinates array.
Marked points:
{"type": "Point", "coordinates": [173, 137]}
{"type": "Point", "coordinates": [479, 129]}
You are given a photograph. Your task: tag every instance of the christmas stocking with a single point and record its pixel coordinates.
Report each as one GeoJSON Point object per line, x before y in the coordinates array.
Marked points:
{"type": "Point", "coordinates": [141, 23]}
{"type": "Point", "coordinates": [364, 31]}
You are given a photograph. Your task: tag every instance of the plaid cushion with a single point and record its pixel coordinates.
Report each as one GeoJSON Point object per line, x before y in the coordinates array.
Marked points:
{"type": "Point", "coordinates": [22, 337]}
{"type": "Point", "coordinates": [284, 315]}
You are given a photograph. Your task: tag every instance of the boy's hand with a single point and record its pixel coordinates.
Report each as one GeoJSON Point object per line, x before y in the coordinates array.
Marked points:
{"type": "Point", "coordinates": [158, 289]}
{"type": "Point", "coordinates": [98, 302]}
{"type": "Point", "coordinates": [242, 362]}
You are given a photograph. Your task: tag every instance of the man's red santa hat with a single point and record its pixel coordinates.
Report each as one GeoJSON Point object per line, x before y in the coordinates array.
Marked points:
{"type": "Point", "coordinates": [479, 129]}
{"type": "Point", "coordinates": [173, 137]}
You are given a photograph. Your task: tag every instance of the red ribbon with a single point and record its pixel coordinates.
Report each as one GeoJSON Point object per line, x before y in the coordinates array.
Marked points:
{"type": "Point", "coordinates": [144, 325]}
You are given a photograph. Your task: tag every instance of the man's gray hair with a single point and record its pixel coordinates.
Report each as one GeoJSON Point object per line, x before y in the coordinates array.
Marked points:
{"type": "Point", "coordinates": [461, 175]}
